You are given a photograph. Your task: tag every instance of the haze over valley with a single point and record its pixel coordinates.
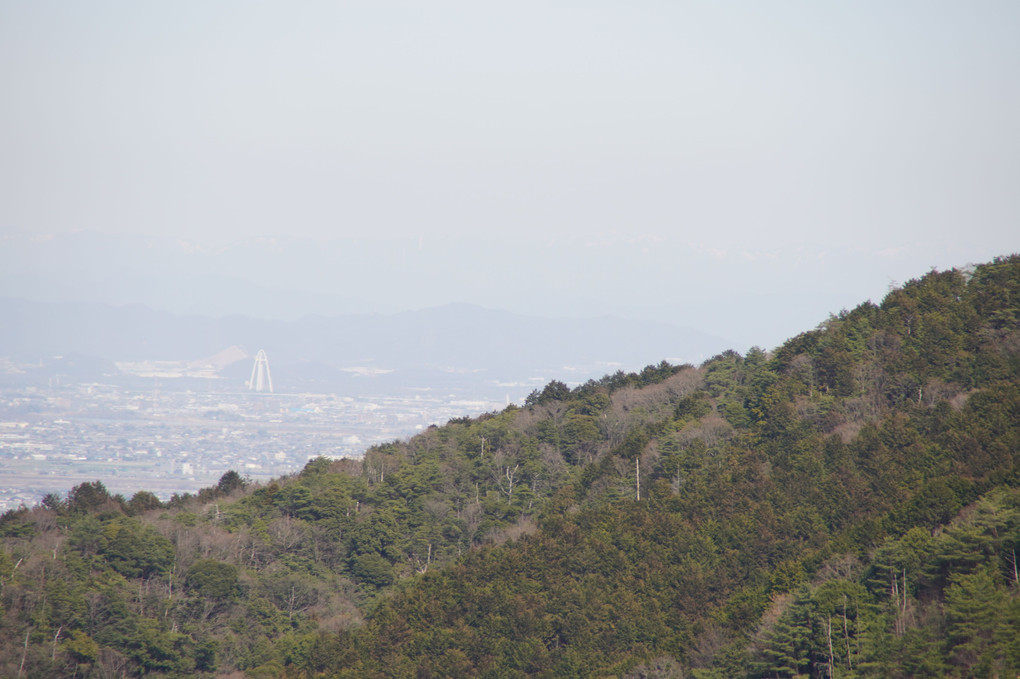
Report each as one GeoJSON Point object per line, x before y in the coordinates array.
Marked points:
{"type": "Point", "coordinates": [159, 401]}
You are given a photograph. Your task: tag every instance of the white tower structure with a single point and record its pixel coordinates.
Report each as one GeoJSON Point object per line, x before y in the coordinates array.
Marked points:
{"type": "Point", "coordinates": [261, 380]}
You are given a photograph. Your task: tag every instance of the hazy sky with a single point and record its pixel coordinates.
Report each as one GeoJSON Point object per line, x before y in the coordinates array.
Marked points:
{"type": "Point", "coordinates": [779, 159]}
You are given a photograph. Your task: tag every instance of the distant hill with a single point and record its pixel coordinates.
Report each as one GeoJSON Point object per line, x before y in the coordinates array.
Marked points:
{"type": "Point", "coordinates": [584, 275]}
{"type": "Point", "coordinates": [456, 344]}
{"type": "Point", "coordinates": [847, 505]}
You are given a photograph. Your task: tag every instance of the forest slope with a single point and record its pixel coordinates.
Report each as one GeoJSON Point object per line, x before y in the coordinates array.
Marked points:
{"type": "Point", "coordinates": [845, 505]}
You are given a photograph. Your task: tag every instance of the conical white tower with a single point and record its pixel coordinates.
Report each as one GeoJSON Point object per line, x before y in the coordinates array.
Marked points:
{"type": "Point", "coordinates": [261, 380]}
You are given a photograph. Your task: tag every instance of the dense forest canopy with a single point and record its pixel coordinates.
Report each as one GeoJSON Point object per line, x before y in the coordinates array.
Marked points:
{"type": "Point", "coordinates": [847, 505]}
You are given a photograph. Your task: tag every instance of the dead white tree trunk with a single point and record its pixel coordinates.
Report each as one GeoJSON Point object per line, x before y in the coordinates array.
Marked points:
{"type": "Point", "coordinates": [510, 475]}
{"type": "Point", "coordinates": [24, 654]}
{"type": "Point", "coordinates": [637, 477]}
{"type": "Point", "coordinates": [56, 637]}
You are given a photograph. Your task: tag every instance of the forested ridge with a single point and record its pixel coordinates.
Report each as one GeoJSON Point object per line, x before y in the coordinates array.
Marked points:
{"type": "Point", "coordinates": [847, 505]}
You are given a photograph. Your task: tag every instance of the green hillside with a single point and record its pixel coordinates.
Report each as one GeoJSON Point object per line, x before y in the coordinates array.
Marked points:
{"type": "Point", "coordinates": [847, 505]}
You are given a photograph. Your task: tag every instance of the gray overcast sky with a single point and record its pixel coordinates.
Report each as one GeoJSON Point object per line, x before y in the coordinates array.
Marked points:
{"type": "Point", "coordinates": [725, 153]}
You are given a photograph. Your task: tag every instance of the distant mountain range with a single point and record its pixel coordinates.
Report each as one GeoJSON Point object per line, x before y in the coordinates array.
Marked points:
{"type": "Point", "coordinates": [731, 293]}
{"type": "Point", "coordinates": [456, 344]}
